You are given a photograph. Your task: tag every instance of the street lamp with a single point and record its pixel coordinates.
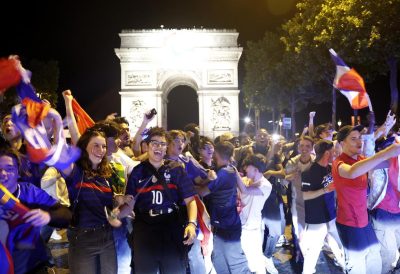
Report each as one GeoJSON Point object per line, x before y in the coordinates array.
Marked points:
{"type": "Point", "coordinates": [339, 123]}
{"type": "Point", "coordinates": [247, 120]}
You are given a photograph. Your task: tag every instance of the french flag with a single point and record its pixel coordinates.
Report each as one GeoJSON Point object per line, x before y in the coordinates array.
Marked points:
{"type": "Point", "coordinates": [203, 220]}
{"type": "Point", "coordinates": [28, 117]}
{"type": "Point", "coordinates": [349, 83]}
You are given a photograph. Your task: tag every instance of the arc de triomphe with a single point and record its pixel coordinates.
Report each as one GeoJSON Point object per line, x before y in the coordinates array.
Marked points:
{"type": "Point", "coordinates": [153, 62]}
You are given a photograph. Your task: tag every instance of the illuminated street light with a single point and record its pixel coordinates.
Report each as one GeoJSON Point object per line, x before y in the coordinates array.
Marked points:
{"type": "Point", "coordinates": [247, 120]}
{"type": "Point", "coordinates": [339, 123]}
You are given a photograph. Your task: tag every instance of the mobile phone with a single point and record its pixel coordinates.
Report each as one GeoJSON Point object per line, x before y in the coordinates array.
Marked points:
{"type": "Point", "coordinates": [151, 114]}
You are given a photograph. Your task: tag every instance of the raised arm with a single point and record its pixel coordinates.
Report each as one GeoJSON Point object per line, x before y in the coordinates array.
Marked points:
{"type": "Point", "coordinates": [311, 124]}
{"type": "Point", "coordinates": [72, 125]}
{"type": "Point", "coordinates": [362, 167]}
{"type": "Point", "coordinates": [137, 139]}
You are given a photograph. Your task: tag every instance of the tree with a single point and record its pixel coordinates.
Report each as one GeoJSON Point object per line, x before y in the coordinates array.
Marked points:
{"type": "Point", "coordinates": [45, 76]}
{"type": "Point", "coordinates": [44, 79]}
{"type": "Point", "coordinates": [277, 78]}
{"type": "Point", "coordinates": [364, 33]}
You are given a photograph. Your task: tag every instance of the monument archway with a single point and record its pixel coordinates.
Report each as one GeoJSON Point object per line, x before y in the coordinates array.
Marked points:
{"type": "Point", "coordinates": [182, 106]}
{"type": "Point", "coordinates": [154, 62]}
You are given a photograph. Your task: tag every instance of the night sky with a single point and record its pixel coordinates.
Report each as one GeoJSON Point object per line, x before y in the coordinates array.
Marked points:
{"type": "Point", "coordinates": [82, 36]}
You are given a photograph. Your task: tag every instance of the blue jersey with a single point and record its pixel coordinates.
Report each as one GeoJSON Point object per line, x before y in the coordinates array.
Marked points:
{"type": "Point", "coordinates": [32, 197]}
{"type": "Point", "coordinates": [150, 194]}
{"type": "Point", "coordinates": [193, 168]}
{"type": "Point", "coordinates": [221, 201]}
{"type": "Point", "coordinates": [94, 194]}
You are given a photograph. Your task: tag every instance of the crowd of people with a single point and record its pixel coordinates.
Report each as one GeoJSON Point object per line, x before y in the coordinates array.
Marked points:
{"type": "Point", "coordinates": [178, 202]}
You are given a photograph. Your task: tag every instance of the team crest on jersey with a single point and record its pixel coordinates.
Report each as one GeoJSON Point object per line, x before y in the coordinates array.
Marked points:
{"type": "Point", "coordinates": [327, 180]}
{"type": "Point", "coordinates": [167, 176]}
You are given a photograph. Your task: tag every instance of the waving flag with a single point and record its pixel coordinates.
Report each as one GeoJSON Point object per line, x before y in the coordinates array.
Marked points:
{"type": "Point", "coordinates": [83, 119]}
{"type": "Point", "coordinates": [10, 75]}
{"type": "Point", "coordinates": [350, 83]}
{"type": "Point", "coordinates": [28, 117]}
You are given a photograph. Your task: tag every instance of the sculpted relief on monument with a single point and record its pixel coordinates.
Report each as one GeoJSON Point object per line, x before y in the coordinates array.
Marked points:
{"type": "Point", "coordinates": [221, 114]}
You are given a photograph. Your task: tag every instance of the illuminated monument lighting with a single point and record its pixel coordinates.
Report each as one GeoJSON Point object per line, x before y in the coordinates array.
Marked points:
{"type": "Point", "coordinates": [153, 62]}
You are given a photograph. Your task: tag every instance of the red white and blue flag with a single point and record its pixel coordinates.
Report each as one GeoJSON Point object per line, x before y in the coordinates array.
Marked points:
{"type": "Point", "coordinates": [28, 117]}
{"type": "Point", "coordinates": [349, 83]}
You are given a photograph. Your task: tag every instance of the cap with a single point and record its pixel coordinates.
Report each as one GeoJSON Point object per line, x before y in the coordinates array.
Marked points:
{"type": "Point", "coordinates": [345, 131]}
{"type": "Point", "coordinates": [321, 146]}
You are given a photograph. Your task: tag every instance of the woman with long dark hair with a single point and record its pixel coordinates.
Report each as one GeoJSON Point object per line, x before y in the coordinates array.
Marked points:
{"type": "Point", "coordinates": [92, 248]}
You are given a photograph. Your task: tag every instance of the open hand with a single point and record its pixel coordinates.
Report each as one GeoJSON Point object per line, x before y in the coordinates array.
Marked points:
{"type": "Point", "coordinates": [37, 217]}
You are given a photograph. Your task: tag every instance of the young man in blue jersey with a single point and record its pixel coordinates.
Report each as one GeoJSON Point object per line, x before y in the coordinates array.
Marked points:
{"type": "Point", "coordinates": [220, 195]}
{"type": "Point", "coordinates": [31, 256]}
{"type": "Point", "coordinates": [159, 239]}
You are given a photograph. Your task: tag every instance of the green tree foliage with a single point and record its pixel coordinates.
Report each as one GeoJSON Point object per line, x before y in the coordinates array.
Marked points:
{"type": "Point", "coordinates": [45, 80]}
{"type": "Point", "coordinates": [277, 79]}
{"type": "Point", "coordinates": [365, 33]}
{"type": "Point", "coordinates": [45, 76]}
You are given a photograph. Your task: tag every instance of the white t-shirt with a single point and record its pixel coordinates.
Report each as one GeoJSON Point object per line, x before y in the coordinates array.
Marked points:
{"type": "Point", "coordinates": [121, 158]}
{"type": "Point", "coordinates": [252, 205]}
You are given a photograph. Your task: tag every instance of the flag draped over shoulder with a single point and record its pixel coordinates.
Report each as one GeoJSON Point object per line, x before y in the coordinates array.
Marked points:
{"type": "Point", "coordinates": [349, 83]}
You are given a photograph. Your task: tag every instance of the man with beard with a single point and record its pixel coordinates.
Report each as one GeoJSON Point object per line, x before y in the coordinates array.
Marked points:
{"type": "Point", "coordinates": [260, 146]}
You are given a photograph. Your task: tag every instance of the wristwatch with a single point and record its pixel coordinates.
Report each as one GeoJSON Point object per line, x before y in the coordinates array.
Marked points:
{"type": "Point", "coordinates": [193, 222]}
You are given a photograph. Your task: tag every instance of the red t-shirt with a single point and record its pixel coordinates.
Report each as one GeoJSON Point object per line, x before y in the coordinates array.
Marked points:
{"type": "Point", "coordinates": [351, 194]}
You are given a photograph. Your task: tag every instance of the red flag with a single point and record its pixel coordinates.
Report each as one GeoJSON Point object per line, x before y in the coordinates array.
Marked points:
{"type": "Point", "coordinates": [83, 119]}
{"type": "Point", "coordinates": [10, 75]}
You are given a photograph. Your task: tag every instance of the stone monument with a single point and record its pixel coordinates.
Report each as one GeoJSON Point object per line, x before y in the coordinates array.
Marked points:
{"type": "Point", "coordinates": [153, 62]}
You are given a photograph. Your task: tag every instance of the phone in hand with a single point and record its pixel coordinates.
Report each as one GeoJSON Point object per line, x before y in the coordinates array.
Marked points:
{"type": "Point", "coordinates": [151, 113]}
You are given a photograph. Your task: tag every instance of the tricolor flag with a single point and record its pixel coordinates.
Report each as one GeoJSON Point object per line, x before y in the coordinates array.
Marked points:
{"type": "Point", "coordinates": [350, 83]}
{"type": "Point", "coordinates": [203, 220]}
{"type": "Point", "coordinates": [28, 117]}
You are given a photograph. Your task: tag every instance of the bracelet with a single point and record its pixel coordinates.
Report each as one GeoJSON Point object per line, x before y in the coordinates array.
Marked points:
{"type": "Point", "coordinates": [193, 223]}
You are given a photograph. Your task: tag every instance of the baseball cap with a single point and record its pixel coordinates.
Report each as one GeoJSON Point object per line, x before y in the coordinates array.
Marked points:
{"type": "Point", "coordinates": [321, 146]}
{"type": "Point", "coordinates": [346, 130]}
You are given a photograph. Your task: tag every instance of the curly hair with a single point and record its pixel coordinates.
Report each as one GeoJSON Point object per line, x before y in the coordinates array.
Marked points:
{"type": "Point", "coordinates": [103, 169]}
{"type": "Point", "coordinates": [155, 131]}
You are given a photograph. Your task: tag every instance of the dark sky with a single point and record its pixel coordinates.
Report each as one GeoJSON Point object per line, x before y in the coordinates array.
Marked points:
{"type": "Point", "coordinates": [82, 36]}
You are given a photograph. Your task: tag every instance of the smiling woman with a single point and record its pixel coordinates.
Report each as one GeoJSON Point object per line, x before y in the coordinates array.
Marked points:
{"type": "Point", "coordinates": [89, 193]}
